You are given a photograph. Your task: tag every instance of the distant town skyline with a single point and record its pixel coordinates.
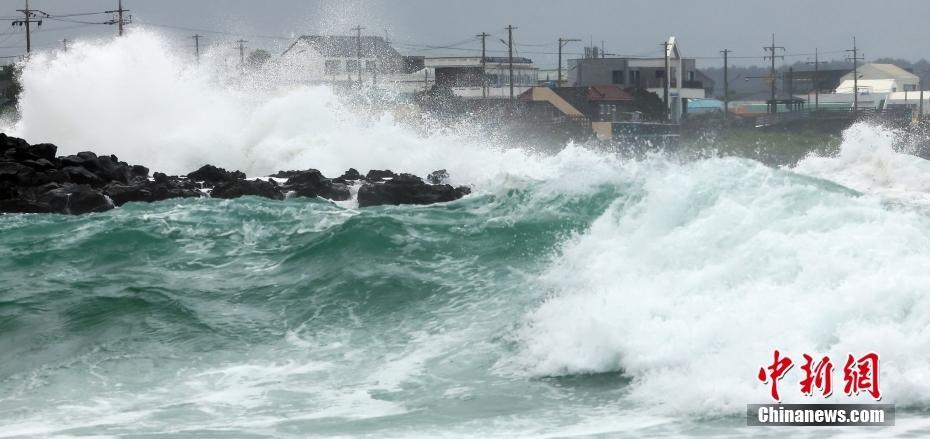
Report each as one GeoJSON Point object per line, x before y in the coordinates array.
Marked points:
{"type": "Point", "coordinates": [433, 28]}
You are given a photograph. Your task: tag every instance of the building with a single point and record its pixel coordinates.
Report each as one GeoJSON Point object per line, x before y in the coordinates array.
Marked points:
{"type": "Point", "coordinates": [878, 85]}
{"type": "Point", "coordinates": [335, 58]}
{"type": "Point", "coordinates": [879, 78]}
{"type": "Point", "coordinates": [595, 107]}
{"type": "Point", "coordinates": [474, 77]}
{"type": "Point", "coordinates": [686, 81]}
{"type": "Point", "coordinates": [809, 81]}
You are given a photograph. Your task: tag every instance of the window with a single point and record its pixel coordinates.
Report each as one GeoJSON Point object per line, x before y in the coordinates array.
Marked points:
{"type": "Point", "coordinates": [660, 73]}
{"type": "Point", "coordinates": [691, 75]}
{"type": "Point", "coordinates": [619, 77]}
{"type": "Point", "coordinates": [352, 65]}
{"type": "Point", "coordinates": [331, 67]}
{"type": "Point", "coordinates": [371, 66]}
{"type": "Point", "coordinates": [634, 77]}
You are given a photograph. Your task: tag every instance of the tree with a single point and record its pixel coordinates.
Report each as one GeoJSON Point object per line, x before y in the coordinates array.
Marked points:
{"type": "Point", "coordinates": [258, 58]}
{"type": "Point", "coordinates": [649, 104]}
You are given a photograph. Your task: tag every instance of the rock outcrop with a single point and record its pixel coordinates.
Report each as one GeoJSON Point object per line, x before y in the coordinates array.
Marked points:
{"type": "Point", "coordinates": [407, 189]}
{"type": "Point", "coordinates": [34, 180]}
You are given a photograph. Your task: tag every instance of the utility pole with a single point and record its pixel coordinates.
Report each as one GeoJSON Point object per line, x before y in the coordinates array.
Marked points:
{"type": "Point", "coordinates": [726, 87]}
{"type": "Point", "coordinates": [358, 52]}
{"type": "Point", "coordinates": [29, 18]}
{"type": "Point", "coordinates": [484, 80]}
{"type": "Point", "coordinates": [562, 43]}
{"type": "Point", "coordinates": [855, 59]}
{"type": "Point", "coordinates": [119, 16]}
{"type": "Point", "coordinates": [510, 29]}
{"type": "Point", "coordinates": [665, 81]}
{"type": "Point", "coordinates": [64, 44]}
{"type": "Point", "coordinates": [920, 108]}
{"type": "Point", "coordinates": [242, 52]}
{"type": "Point", "coordinates": [816, 64]}
{"type": "Point", "coordinates": [197, 46]}
{"type": "Point", "coordinates": [771, 55]}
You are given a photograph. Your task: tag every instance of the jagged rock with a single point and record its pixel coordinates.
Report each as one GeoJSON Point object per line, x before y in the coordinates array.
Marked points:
{"type": "Point", "coordinates": [407, 189]}
{"type": "Point", "coordinates": [12, 171]}
{"type": "Point", "coordinates": [241, 188]}
{"type": "Point", "coordinates": [72, 160]}
{"type": "Point", "coordinates": [312, 183]}
{"type": "Point", "coordinates": [32, 179]}
{"type": "Point", "coordinates": [140, 171]}
{"type": "Point", "coordinates": [75, 199]}
{"type": "Point", "coordinates": [376, 175]}
{"type": "Point", "coordinates": [351, 175]}
{"type": "Point", "coordinates": [45, 151]}
{"type": "Point", "coordinates": [213, 175]}
{"type": "Point", "coordinates": [438, 177]}
{"type": "Point", "coordinates": [81, 175]}
{"type": "Point", "coordinates": [286, 174]}
{"type": "Point", "coordinates": [39, 164]}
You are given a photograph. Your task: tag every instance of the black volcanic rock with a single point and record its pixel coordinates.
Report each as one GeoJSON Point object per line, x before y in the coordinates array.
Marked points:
{"type": "Point", "coordinates": [213, 175]}
{"type": "Point", "coordinates": [81, 175]}
{"type": "Point", "coordinates": [151, 191]}
{"type": "Point", "coordinates": [407, 189]}
{"type": "Point", "coordinates": [351, 175]}
{"type": "Point", "coordinates": [377, 175]}
{"type": "Point", "coordinates": [438, 177]}
{"type": "Point", "coordinates": [286, 174]}
{"type": "Point", "coordinates": [33, 180]}
{"type": "Point", "coordinates": [76, 199]}
{"type": "Point", "coordinates": [241, 188]}
{"type": "Point", "coordinates": [312, 183]}
{"type": "Point", "coordinates": [140, 171]}
{"type": "Point", "coordinates": [45, 151]}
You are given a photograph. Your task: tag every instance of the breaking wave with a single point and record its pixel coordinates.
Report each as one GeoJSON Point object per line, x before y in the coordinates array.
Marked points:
{"type": "Point", "coordinates": [572, 293]}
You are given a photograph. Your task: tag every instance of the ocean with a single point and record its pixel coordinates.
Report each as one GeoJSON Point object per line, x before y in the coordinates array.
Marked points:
{"type": "Point", "coordinates": [574, 293]}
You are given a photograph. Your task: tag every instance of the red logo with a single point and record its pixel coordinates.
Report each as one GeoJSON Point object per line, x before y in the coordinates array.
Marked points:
{"type": "Point", "coordinates": [859, 375]}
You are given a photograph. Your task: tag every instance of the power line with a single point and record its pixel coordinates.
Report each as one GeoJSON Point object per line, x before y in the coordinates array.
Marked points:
{"type": "Point", "coordinates": [855, 58]}
{"type": "Point", "coordinates": [241, 51]}
{"type": "Point", "coordinates": [771, 55]}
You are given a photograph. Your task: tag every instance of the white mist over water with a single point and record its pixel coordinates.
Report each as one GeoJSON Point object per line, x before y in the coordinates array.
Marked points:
{"type": "Point", "coordinates": [136, 98]}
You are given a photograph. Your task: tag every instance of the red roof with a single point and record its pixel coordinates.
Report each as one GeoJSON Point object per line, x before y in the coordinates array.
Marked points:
{"type": "Point", "coordinates": [608, 93]}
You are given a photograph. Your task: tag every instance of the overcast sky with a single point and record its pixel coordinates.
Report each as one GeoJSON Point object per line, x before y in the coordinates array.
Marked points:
{"type": "Point", "coordinates": [884, 28]}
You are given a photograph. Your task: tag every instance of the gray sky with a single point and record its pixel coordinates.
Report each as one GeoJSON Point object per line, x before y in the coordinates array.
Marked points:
{"type": "Point", "coordinates": [884, 28]}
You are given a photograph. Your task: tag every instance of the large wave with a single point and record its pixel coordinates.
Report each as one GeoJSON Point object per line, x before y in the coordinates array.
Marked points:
{"type": "Point", "coordinates": [682, 276]}
{"type": "Point", "coordinates": [690, 281]}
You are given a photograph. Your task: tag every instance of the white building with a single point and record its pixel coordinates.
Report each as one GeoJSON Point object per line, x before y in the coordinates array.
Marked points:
{"type": "Point", "coordinates": [879, 78]}
{"type": "Point", "coordinates": [334, 58]}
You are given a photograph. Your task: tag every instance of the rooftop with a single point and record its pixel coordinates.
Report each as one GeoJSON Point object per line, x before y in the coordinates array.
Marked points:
{"type": "Point", "coordinates": [347, 46]}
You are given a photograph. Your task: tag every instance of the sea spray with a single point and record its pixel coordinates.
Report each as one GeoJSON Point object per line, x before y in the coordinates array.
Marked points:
{"type": "Point", "coordinates": [688, 283]}
{"type": "Point", "coordinates": [136, 98]}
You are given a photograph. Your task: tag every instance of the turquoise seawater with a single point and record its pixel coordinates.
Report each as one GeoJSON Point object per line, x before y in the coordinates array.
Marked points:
{"type": "Point", "coordinates": [531, 309]}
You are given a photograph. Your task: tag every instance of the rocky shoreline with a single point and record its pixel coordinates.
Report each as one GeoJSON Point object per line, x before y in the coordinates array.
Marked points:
{"type": "Point", "coordinates": [34, 180]}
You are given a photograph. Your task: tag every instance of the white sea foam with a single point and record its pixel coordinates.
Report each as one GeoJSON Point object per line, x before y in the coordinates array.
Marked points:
{"type": "Point", "coordinates": [874, 160]}
{"type": "Point", "coordinates": [688, 286]}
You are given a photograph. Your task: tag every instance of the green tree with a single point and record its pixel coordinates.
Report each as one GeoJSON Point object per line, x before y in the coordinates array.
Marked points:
{"type": "Point", "coordinates": [649, 104]}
